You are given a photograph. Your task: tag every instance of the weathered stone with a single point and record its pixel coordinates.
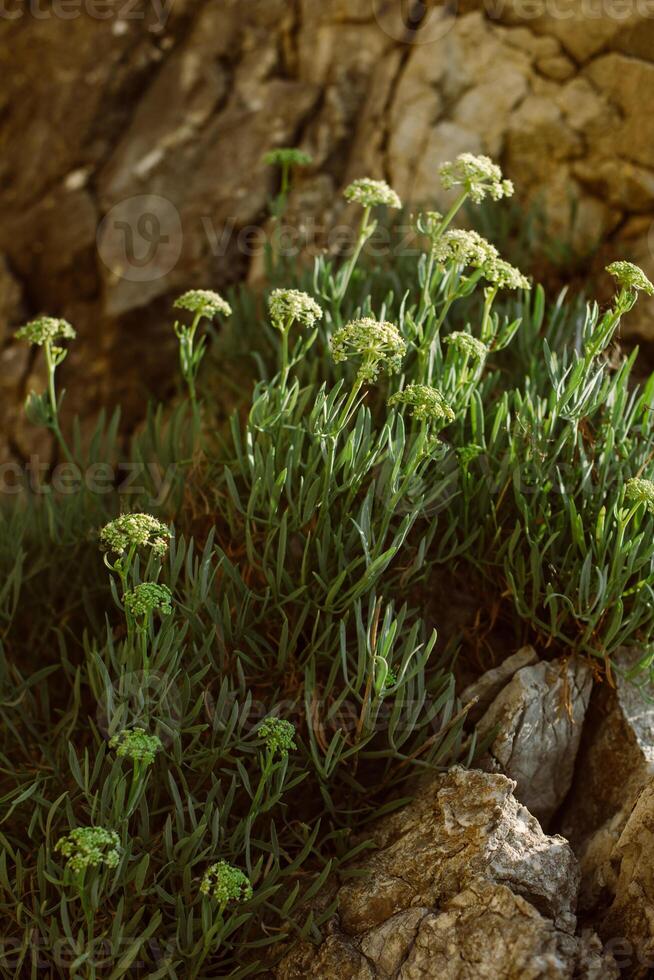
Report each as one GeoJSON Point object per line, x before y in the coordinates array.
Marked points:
{"type": "Point", "coordinates": [616, 757]}
{"type": "Point", "coordinates": [609, 808]}
{"type": "Point", "coordinates": [486, 688]}
{"type": "Point", "coordinates": [483, 893]}
{"type": "Point", "coordinates": [630, 915]}
{"type": "Point", "coordinates": [461, 826]}
{"type": "Point", "coordinates": [487, 932]}
{"type": "Point", "coordinates": [539, 717]}
{"type": "Point", "coordinates": [120, 132]}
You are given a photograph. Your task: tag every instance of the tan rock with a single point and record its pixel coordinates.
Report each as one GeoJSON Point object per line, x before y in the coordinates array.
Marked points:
{"type": "Point", "coordinates": [487, 932]}
{"type": "Point", "coordinates": [624, 80]}
{"type": "Point", "coordinates": [484, 894]}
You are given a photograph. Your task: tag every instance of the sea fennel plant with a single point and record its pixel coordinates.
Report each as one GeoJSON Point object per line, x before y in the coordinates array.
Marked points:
{"type": "Point", "coordinates": [199, 728]}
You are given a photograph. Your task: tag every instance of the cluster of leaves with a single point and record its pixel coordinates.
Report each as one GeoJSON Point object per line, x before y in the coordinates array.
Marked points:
{"type": "Point", "coordinates": [193, 729]}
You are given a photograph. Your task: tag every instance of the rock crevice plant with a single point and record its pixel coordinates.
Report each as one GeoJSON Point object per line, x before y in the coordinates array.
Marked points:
{"type": "Point", "coordinates": [192, 744]}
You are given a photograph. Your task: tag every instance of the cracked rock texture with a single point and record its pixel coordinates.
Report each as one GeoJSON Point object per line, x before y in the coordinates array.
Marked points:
{"type": "Point", "coordinates": [464, 885]}
{"type": "Point", "coordinates": [538, 719]}
{"type": "Point", "coordinates": [132, 142]}
{"type": "Point", "coordinates": [609, 817]}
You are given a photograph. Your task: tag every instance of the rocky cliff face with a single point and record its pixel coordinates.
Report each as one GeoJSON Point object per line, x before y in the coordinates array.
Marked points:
{"type": "Point", "coordinates": [132, 136]}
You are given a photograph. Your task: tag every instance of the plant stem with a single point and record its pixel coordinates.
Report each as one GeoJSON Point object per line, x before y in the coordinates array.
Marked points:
{"type": "Point", "coordinates": [284, 365]}
{"type": "Point", "coordinates": [52, 396]}
{"type": "Point", "coordinates": [364, 234]}
{"type": "Point", "coordinates": [447, 220]}
{"type": "Point", "coordinates": [356, 388]}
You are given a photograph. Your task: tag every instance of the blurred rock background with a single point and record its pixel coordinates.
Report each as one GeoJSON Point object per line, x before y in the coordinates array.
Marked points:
{"type": "Point", "coordinates": [131, 137]}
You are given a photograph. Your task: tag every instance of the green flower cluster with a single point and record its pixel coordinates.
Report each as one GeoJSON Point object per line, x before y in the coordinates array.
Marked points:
{"type": "Point", "coordinates": [225, 883]}
{"type": "Point", "coordinates": [478, 175]}
{"type": "Point", "coordinates": [641, 492]}
{"type": "Point", "coordinates": [89, 847]}
{"type": "Point", "coordinates": [290, 305]}
{"type": "Point", "coordinates": [135, 531]}
{"type": "Point", "coordinates": [147, 597]}
{"type": "Point", "coordinates": [45, 329]}
{"type": "Point", "coordinates": [371, 193]}
{"type": "Point", "coordinates": [504, 275]}
{"type": "Point", "coordinates": [136, 744]}
{"type": "Point", "coordinates": [204, 302]}
{"type": "Point", "coordinates": [630, 276]}
{"type": "Point", "coordinates": [278, 734]}
{"type": "Point", "coordinates": [380, 345]}
{"type": "Point", "coordinates": [287, 157]}
{"type": "Point", "coordinates": [425, 403]}
{"type": "Point", "coordinates": [467, 344]}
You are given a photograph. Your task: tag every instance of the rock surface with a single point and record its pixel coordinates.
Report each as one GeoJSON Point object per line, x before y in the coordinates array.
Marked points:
{"type": "Point", "coordinates": [132, 142]}
{"type": "Point", "coordinates": [538, 717]}
{"type": "Point", "coordinates": [486, 688]}
{"type": "Point", "coordinates": [465, 884]}
{"type": "Point", "coordinates": [610, 817]}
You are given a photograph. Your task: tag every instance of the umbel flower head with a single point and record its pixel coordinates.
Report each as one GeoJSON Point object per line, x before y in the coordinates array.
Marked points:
{"type": "Point", "coordinates": [370, 193]}
{"type": "Point", "coordinates": [630, 276]}
{"type": "Point", "coordinates": [89, 847]}
{"type": "Point", "coordinates": [289, 305]}
{"type": "Point", "coordinates": [45, 329]}
{"type": "Point", "coordinates": [641, 492]}
{"type": "Point", "coordinates": [136, 744]}
{"type": "Point", "coordinates": [464, 248]}
{"type": "Point", "coordinates": [147, 597]}
{"type": "Point", "coordinates": [467, 344]}
{"type": "Point", "coordinates": [379, 345]}
{"type": "Point", "coordinates": [204, 302]}
{"type": "Point", "coordinates": [504, 276]}
{"type": "Point", "coordinates": [425, 403]}
{"type": "Point", "coordinates": [278, 734]}
{"type": "Point", "coordinates": [287, 156]}
{"type": "Point", "coordinates": [135, 531]}
{"type": "Point", "coordinates": [478, 175]}
{"type": "Point", "coordinates": [225, 883]}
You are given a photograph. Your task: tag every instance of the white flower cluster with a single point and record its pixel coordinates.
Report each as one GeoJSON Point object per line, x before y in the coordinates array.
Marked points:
{"type": "Point", "coordinates": [378, 344]}
{"type": "Point", "coordinates": [135, 530]}
{"type": "Point", "coordinates": [44, 330]}
{"type": "Point", "coordinates": [290, 305]}
{"type": "Point", "coordinates": [640, 491]}
{"type": "Point", "coordinates": [467, 344]}
{"type": "Point", "coordinates": [478, 175]}
{"type": "Point", "coordinates": [463, 248]}
{"type": "Point", "coordinates": [370, 193]}
{"type": "Point", "coordinates": [504, 275]}
{"type": "Point", "coordinates": [205, 302]}
{"type": "Point", "coordinates": [426, 403]}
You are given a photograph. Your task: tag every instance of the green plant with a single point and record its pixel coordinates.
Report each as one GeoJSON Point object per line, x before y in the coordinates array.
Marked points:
{"type": "Point", "coordinates": [44, 409]}
{"type": "Point", "coordinates": [269, 667]}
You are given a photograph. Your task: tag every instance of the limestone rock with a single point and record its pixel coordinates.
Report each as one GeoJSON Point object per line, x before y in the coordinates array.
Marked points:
{"type": "Point", "coordinates": [618, 740]}
{"type": "Point", "coordinates": [539, 717]}
{"type": "Point", "coordinates": [131, 164]}
{"type": "Point", "coordinates": [608, 809]}
{"type": "Point", "coordinates": [465, 884]}
{"type": "Point", "coordinates": [487, 687]}
{"type": "Point", "coordinates": [630, 915]}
